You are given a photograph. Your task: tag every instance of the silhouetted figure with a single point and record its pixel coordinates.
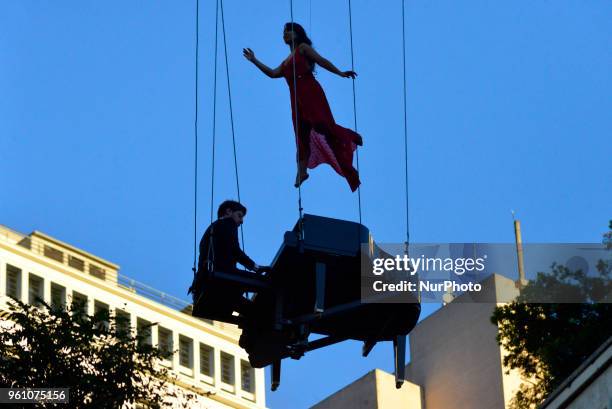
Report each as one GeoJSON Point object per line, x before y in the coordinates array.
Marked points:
{"type": "Point", "coordinates": [219, 252]}
{"type": "Point", "coordinates": [319, 138]}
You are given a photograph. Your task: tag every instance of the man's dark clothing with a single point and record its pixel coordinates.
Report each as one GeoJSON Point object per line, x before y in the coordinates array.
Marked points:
{"type": "Point", "coordinates": [221, 248]}
{"type": "Point", "coordinates": [219, 252]}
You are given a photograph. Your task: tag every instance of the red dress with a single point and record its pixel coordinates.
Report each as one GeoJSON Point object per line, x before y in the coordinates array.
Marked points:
{"type": "Point", "coordinates": [319, 139]}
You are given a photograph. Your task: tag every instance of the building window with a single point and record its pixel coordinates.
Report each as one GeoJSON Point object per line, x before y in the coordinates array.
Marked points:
{"type": "Point", "coordinates": [122, 322]}
{"type": "Point", "coordinates": [13, 281]}
{"type": "Point", "coordinates": [143, 331]}
{"type": "Point", "coordinates": [186, 351]}
{"type": "Point", "coordinates": [58, 295]}
{"type": "Point", "coordinates": [35, 289]}
{"type": "Point", "coordinates": [76, 262]}
{"type": "Point", "coordinates": [54, 253]}
{"type": "Point", "coordinates": [207, 355]}
{"type": "Point", "coordinates": [79, 304]}
{"type": "Point", "coordinates": [227, 368]}
{"type": "Point", "coordinates": [247, 377]}
{"type": "Point", "coordinates": [102, 308]}
{"type": "Point", "coordinates": [97, 272]}
{"type": "Point", "coordinates": [164, 340]}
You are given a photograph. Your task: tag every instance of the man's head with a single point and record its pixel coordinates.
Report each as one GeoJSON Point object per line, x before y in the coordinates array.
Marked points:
{"type": "Point", "coordinates": [233, 209]}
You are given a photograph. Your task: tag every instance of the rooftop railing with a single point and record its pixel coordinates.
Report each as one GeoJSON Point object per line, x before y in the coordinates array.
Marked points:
{"type": "Point", "coordinates": [80, 264]}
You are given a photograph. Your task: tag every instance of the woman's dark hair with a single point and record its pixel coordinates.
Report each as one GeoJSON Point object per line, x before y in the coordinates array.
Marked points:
{"type": "Point", "coordinates": [300, 33]}
{"type": "Point", "coordinates": [231, 205]}
{"type": "Point", "coordinates": [300, 37]}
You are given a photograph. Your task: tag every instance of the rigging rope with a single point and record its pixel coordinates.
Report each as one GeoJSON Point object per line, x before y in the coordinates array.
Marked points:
{"type": "Point", "coordinates": [297, 128]}
{"type": "Point", "coordinates": [405, 126]}
{"type": "Point", "coordinates": [310, 17]}
{"type": "Point", "coordinates": [229, 93]}
{"type": "Point", "coordinates": [195, 195]}
{"type": "Point", "coordinates": [214, 124]}
{"type": "Point", "coordinates": [354, 103]}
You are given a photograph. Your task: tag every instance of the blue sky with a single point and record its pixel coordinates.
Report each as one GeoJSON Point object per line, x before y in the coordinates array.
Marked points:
{"type": "Point", "coordinates": [508, 108]}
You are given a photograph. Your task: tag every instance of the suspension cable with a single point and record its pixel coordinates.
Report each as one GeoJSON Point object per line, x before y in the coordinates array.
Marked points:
{"type": "Point", "coordinates": [214, 124]}
{"type": "Point", "coordinates": [297, 128]}
{"type": "Point", "coordinates": [195, 128]}
{"type": "Point", "coordinates": [310, 17]}
{"type": "Point", "coordinates": [229, 93]}
{"type": "Point", "coordinates": [354, 103]}
{"type": "Point", "coordinates": [405, 126]}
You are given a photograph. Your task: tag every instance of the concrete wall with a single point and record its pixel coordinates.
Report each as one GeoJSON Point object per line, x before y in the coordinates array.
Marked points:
{"type": "Point", "coordinates": [597, 395]}
{"type": "Point", "coordinates": [407, 397]}
{"type": "Point", "coordinates": [374, 390]}
{"type": "Point", "coordinates": [589, 386]}
{"type": "Point", "coordinates": [455, 357]}
{"type": "Point", "coordinates": [360, 394]}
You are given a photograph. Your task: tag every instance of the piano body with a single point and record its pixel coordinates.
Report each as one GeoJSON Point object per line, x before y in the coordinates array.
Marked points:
{"type": "Point", "coordinates": [315, 288]}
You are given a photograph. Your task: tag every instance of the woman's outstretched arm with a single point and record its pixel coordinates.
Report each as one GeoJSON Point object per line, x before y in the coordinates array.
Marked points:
{"type": "Point", "coordinates": [309, 52]}
{"type": "Point", "coordinates": [272, 73]}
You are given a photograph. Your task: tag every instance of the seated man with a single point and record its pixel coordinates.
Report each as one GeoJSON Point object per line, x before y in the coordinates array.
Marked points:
{"type": "Point", "coordinates": [219, 252]}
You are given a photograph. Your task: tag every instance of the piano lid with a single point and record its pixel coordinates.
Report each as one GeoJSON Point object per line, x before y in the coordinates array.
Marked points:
{"type": "Point", "coordinates": [328, 235]}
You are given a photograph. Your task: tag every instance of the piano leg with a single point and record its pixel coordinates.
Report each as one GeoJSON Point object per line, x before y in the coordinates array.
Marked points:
{"type": "Point", "coordinates": [399, 355]}
{"type": "Point", "coordinates": [367, 347]}
{"type": "Point", "coordinates": [320, 288]}
{"type": "Point", "coordinates": [276, 374]}
{"type": "Point", "coordinates": [369, 344]}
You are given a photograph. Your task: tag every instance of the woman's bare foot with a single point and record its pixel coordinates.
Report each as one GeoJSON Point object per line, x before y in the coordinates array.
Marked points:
{"type": "Point", "coordinates": [300, 178]}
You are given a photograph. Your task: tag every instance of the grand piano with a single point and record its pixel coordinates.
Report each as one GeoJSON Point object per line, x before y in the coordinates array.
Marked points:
{"type": "Point", "coordinates": [313, 298]}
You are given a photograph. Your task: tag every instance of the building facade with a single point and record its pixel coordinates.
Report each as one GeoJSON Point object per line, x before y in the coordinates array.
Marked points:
{"type": "Point", "coordinates": [589, 386]}
{"type": "Point", "coordinates": [206, 360]}
{"type": "Point", "coordinates": [374, 390]}
{"type": "Point", "coordinates": [455, 361]}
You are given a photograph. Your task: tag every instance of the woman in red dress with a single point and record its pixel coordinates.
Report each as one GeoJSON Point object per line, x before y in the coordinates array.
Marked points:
{"type": "Point", "coordinates": [319, 139]}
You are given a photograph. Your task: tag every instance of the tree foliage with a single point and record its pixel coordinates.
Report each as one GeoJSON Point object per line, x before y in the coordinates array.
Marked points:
{"type": "Point", "coordinates": [98, 357]}
{"type": "Point", "coordinates": [546, 342]}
